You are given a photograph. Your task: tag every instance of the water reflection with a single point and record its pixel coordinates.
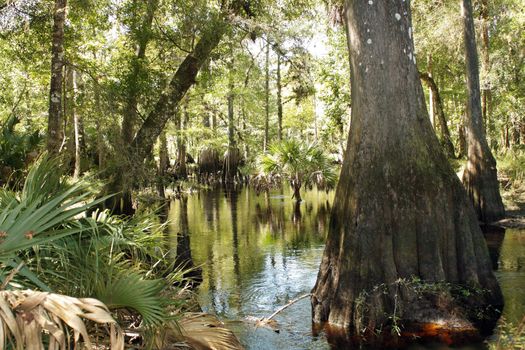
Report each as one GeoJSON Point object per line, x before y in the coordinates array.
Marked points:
{"type": "Point", "coordinates": [259, 252]}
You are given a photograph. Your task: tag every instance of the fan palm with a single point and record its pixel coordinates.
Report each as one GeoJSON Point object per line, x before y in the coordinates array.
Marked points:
{"type": "Point", "coordinates": [302, 164]}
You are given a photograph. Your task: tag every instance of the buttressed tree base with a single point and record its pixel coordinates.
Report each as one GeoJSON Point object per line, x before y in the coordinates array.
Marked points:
{"type": "Point", "coordinates": [405, 254]}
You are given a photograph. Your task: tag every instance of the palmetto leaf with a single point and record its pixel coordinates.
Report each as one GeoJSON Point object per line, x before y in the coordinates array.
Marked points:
{"type": "Point", "coordinates": [130, 290]}
{"type": "Point", "coordinates": [204, 331]}
{"type": "Point", "coordinates": [27, 318]}
{"type": "Point", "coordinates": [46, 209]}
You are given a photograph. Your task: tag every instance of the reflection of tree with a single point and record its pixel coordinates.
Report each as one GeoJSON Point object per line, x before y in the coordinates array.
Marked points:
{"type": "Point", "coordinates": [210, 205]}
{"type": "Point", "coordinates": [494, 236]}
{"type": "Point", "coordinates": [183, 257]}
{"type": "Point", "coordinates": [233, 198]}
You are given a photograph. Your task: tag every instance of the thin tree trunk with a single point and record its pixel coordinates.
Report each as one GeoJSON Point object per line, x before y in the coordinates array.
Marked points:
{"type": "Point", "coordinates": [163, 163]}
{"type": "Point", "coordinates": [231, 119]}
{"type": "Point", "coordinates": [438, 106]}
{"type": "Point", "coordinates": [181, 121]}
{"type": "Point", "coordinates": [401, 218]}
{"type": "Point", "coordinates": [480, 177]}
{"type": "Point", "coordinates": [431, 98]}
{"type": "Point", "coordinates": [267, 96]}
{"type": "Point", "coordinates": [485, 64]}
{"type": "Point", "coordinates": [233, 155]}
{"type": "Point", "coordinates": [54, 124]}
{"type": "Point", "coordinates": [76, 125]}
{"type": "Point", "coordinates": [279, 101]}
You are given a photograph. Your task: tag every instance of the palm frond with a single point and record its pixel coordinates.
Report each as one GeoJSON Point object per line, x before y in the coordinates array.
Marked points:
{"type": "Point", "coordinates": [130, 290]}
{"type": "Point", "coordinates": [28, 318]}
{"type": "Point", "coordinates": [204, 331]}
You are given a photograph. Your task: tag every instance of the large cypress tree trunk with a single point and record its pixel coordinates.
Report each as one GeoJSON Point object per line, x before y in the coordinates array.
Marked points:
{"type": "Point", "coordinates": [401, 219]}
{"type": "Point", "coordinates": [54, 123]}
{"type": "Point", "coordinates": [480, 177]}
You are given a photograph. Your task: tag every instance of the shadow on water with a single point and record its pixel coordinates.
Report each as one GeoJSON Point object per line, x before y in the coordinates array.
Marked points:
{"type": "Point", "coordinates": [259, 252]}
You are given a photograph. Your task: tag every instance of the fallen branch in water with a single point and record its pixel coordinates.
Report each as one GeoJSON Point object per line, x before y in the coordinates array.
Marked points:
{"type": "Point", "coordinates": [272, 324]}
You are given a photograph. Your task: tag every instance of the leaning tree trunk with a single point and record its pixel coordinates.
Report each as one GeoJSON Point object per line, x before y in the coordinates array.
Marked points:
{"type": "Point", "coordinates": [480, 176]}
{"type": "Point", "coordinates": [54, 123]}
{"type": "Point", "coordinates": [149, 131]}
{"type": "Point", "coordinates": [401, 222]}
{"type": "Point", "coordinates": [437, 103]}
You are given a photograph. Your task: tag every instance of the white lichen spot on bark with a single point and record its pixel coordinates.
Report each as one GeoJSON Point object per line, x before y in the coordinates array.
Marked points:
{"type": "Point", "coordinates": [410, 56]}
{"type": "Point", "coordinates": [398, 16]}
{"type": "Point", "coordinates": [370, 2]}
{"type": "Point", "coordinates": [410, 32]}
{"type": "Point", "coordinates": [369, 41]}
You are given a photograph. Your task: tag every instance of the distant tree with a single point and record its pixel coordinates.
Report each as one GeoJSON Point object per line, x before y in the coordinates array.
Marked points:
{"type": "Point", "coordinates": [300, 164]}
{"type": "Point", "coordinates": [480, 176]}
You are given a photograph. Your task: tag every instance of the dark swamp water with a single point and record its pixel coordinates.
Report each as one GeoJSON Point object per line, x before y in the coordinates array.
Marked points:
{"type": "Point", "coordinates": [259, 252]}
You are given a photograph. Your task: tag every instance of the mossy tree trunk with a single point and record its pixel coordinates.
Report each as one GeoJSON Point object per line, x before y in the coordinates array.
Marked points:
{"type": "Point", "coordinates": [480, 176]}
{"type": "Point", "coordinates": [400, 213]}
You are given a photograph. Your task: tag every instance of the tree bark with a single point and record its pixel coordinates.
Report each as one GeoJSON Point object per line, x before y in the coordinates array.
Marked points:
{"type": "Point", "coordinates": [480, 176]}
{"type": "Point", "coordinates": [438, 105]}
{"type": "Point", "coordinates": [54, 123]}
{"type": "Point", "coordinates": [279, 101]}
{"type": "Point", "coordinates": [401, 218]}
{"type": "Point", "coordinates": [267, 96]}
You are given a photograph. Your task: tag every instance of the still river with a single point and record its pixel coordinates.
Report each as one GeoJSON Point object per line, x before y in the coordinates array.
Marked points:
{"type": "Point", "coordinates": [259, 252]}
